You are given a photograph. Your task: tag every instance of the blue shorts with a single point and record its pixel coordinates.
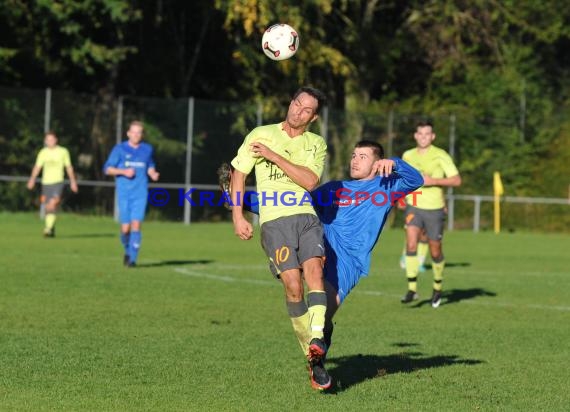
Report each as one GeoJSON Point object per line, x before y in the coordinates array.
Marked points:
{"type": "Point", "coordinates": [132, 208]}
{"type": "Point", "coordinates": [342, 273]}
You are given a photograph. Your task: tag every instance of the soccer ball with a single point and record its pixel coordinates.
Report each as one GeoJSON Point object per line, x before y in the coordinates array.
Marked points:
{"type": "Point", "coordinates": [280, 42]}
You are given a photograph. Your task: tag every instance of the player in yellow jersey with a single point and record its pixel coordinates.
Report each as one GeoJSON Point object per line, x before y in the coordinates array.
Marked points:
{"type": "Point", "coordinates": [428, 213]}
{"type": "Point", "coordinates": [288, 161]}
{"type": "Point", "coordinates": [52, 160]}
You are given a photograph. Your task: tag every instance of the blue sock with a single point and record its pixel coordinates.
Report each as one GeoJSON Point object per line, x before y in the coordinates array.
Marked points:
{"type": "Point", "coordinates": [125, 241]}
{"type": "Point", "coordinates": [134, 246]}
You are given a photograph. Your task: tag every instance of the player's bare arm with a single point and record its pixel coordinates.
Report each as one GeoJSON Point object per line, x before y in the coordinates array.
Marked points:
{"type": "Point", "coordinates": [242, 228]}
{"type": "Point", "coordinates": [452, 181]}
{"type": "Point", "coordinates": [301, 175]}
{"type": "Point", "coordinates": [35, 173]}
{"type": "Point", "coordinates": [72, 179]}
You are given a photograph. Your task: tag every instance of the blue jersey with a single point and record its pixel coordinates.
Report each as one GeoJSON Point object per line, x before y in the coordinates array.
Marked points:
{"type": "Point", "coordinates": [124, 156]}
{"type": "Point", "coordinates": [353, 214]}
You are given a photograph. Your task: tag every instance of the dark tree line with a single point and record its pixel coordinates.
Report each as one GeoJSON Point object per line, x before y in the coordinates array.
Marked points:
{"type": "Point", "coordinates": [500, 65]}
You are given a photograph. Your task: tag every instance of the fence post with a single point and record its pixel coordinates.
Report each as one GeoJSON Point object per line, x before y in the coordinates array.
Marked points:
{"type": "Point", "coordinates": [522, 114]}
{"type": "Point", "coordinates": [451, 203]}
{"type": "Point", "coordinates": [47, 118]}
{"type": "Point", "coordinates": [118, 138]}
{"type": "Point", "coordinates": [189, 142]}
{"type": "Point", "coordinates": [47, 111]}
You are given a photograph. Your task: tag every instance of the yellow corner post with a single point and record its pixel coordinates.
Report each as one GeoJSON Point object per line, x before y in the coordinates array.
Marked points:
{"type": "Point", "coordinates": [497, 192]}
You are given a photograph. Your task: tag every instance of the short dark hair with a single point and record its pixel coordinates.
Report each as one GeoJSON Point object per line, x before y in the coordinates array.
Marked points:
{"type": "Point", "coordinates": [316, 93]}
{"type": "Point", "coordinates": [424, 123]}
{"type": "Point", "coordinates": [377, 149]}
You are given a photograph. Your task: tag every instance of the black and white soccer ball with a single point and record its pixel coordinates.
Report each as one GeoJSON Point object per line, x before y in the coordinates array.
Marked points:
{"type": "Point", "coordinates": [280, 42]}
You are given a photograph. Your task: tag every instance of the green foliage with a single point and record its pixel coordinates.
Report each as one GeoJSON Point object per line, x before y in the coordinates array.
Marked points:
{"type": "Point", "coordinates": [500, 67]}
{"type": "Point", "coordinates": [68, 37]}
{"type": "Point", "coordinates": [246, 22]}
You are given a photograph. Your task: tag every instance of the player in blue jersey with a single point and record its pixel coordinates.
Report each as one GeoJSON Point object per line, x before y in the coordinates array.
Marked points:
{"type": "Point", "coordinates": [353, 214]}
{"type": "Point", "coordinates": [131, 162]}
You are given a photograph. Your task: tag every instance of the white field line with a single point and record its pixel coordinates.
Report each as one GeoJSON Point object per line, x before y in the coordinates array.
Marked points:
{"type": "Point", "coordinates": [236, 279]}
{"type": "Point", "coordinates": [221, 278]}
{"type": "Point", "coordinates": [470, 272]}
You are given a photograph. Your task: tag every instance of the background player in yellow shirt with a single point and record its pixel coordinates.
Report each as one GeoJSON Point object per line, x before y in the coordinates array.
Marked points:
{"type": "Point", "coordinates": [53, 160]}
{"type": "Point", "coordinates": [438, 170]}
{"type": "Point", "coordinates": [288, 161]}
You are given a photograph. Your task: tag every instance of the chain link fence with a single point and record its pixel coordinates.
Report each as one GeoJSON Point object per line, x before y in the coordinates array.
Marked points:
{"type": "Point", "coordinates": [192, 137]}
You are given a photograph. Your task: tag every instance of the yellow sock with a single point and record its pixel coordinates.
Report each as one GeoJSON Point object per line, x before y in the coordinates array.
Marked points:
{"type": "Point", "coordinates": [299, 315]}
{"type": "Point", "coordinates": [301, 328]}
{"type": "Point", "coordinates": [50, 220]}
{"type": "Point", "coordinates": [423, 248]}
{"type": "Point", "coordinates": [317, 303]}
{"type": "Point", "coordinates": [437, 268]}
{"type": "Point", "coordinates": [412, 269]}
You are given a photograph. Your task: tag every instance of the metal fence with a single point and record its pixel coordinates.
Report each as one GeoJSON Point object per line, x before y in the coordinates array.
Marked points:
{"type": "Point", "coordinates": [192, 137]}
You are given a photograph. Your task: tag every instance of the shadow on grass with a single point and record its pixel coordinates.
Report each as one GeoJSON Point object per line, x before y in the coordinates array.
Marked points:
{"type": "Point", "coordinates": [428, 266]}
{"type": "Point", "coordinates": [404, 344]}
{"type": "Point", "coordinates": [174, 263]}
{"type": "Point", "coordinates": [348, 371]}
{"type": "Point", "coordinates": [457, 295]}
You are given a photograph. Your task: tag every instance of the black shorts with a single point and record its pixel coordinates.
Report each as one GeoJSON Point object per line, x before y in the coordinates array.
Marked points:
{"type": "Point", "coordinates": [430, 220]}
{"type": "Point", "coordinates": [291, 240]}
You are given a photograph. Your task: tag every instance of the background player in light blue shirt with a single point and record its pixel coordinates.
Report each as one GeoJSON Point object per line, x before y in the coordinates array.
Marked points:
{"type": "Point", "coordinates": [132, 164]}
{"type": "Point", "coordinates": [353, 213]}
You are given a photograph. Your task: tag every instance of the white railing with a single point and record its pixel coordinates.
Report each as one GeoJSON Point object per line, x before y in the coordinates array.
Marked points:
{"type": "Point", "coordinates": [451, 198]}
{"type": "Point", "coordinates": [478, 199]}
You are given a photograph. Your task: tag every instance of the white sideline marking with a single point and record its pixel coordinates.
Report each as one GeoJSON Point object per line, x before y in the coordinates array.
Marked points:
{"type": "Point", "coordinates": [221, 278]}
{"type": "Point", "coordinates": [235, 279]}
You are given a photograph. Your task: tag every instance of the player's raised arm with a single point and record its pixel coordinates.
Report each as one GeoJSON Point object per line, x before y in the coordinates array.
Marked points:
{"type": "Point", "coordinates": [409, 178]}
{"type": "Point", "coordinates": [299, 174]}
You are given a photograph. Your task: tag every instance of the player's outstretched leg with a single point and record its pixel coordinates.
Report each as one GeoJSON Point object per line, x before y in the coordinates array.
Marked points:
{"type": "Point", "coordinates": [317, 305]}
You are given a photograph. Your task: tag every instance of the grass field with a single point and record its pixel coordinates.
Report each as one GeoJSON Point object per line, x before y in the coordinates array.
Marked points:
{"type": "Point", "coordinates": [201, 325]}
